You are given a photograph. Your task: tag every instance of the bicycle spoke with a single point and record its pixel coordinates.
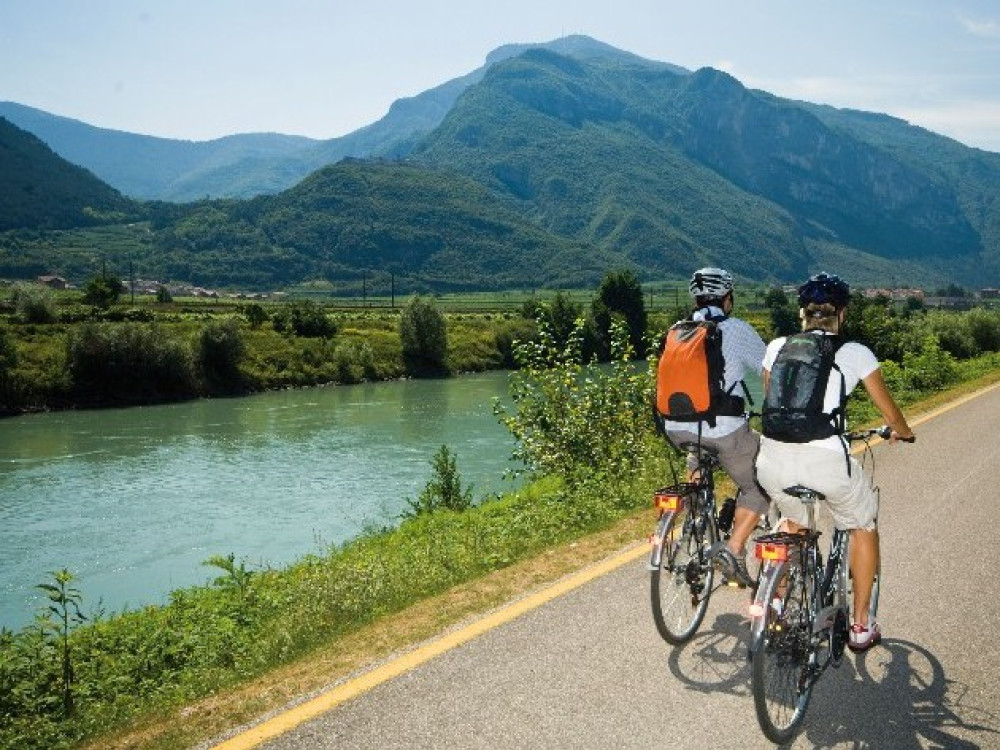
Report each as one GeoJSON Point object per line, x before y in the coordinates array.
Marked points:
{"type": "Point", "coordinates": [681, 587]}
{"type": "Point", "coordinates": [783, 666]}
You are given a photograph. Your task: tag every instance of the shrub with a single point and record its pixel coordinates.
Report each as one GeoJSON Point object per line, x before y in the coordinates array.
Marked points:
{"type": "Point", "coordinates": [984, 326]}
{"type": "Point", "coordinates": [127, 362]}
{"type": "Point", "coordinates": [569, 419]}
{"type": "Point", "coordinates": [931, 369]}
{"type": "Point", "coordinates": [346, 363]}
{"type": "Point", "coordinates": [424, 337]}
{"type": "Point", "coordinates": [953, 333]}
{"type": "Point", "coordinates": [444, 491]}
{"type": "Point", "coordinates": [219, 351]}
{"type": "Point", "coordinates": [305, 319]}
{"type": "Point", "coordinates": [34, 303]}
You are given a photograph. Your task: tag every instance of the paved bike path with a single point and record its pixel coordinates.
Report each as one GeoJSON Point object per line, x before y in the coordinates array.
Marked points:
{"type": "Point", "coordinates": [581, 666]}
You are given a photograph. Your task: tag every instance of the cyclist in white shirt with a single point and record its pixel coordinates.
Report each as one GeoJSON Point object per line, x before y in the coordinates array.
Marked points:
{"type": "Point", "coordinates": [824, 464]}
{"type": "Point", "coordinates": [731, 436]}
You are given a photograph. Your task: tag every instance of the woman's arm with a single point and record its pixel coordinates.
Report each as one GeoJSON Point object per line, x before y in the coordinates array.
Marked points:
{"type": "Point", "coordinates": [884, 402]}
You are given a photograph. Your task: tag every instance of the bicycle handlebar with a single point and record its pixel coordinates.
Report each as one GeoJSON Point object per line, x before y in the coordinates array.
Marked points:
{"type": "Point", "coordinates": [884, 432]}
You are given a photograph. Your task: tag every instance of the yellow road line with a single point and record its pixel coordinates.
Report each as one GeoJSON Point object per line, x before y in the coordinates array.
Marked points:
{"type": "Point", "coordinates": [952, 404]}
{"type": "Point", "coordinates": [352, 688]}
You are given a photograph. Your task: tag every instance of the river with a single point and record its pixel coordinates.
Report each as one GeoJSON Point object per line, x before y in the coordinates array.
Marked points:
{"type": "Point", "coordinates": [133, 501]}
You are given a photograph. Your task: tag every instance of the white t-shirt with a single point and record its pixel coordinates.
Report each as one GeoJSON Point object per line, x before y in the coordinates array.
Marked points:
{"type": "Point", "coordinates": [856, 362]}
{"type": "Point", "coordinates": [743, 351]}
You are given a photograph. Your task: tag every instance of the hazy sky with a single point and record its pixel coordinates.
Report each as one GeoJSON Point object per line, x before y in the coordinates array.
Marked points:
{"type": "Point", "coordinates": [201, 69]}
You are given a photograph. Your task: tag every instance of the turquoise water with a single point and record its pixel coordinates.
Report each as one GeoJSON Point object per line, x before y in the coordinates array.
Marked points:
{"type": "Point", "coordinates": [132, 501]}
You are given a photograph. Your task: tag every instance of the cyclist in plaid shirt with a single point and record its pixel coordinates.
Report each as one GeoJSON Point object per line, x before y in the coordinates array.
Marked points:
{"type": "Point", "coordinates": [737, 445]}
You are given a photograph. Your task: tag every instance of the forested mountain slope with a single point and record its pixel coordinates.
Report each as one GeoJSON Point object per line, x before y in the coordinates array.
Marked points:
{"type": "Point", "coordinates": [41, 190]}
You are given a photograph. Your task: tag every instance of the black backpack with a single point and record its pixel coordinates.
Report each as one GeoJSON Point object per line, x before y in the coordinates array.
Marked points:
{"type": "Point", "coordinates": [793, 405]}
{"type": "Point", "coordinates": [690, 376]}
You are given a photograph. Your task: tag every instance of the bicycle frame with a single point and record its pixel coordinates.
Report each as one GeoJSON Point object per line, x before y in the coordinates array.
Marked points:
{"type": "Point", "coordinates": [800, 614]}
{"type": "Point", "coordinates": [699, 497]}
{"type": "Point", "coordinates": [682, 575]}
{"type": "Point", "coordinates": [826, 586]}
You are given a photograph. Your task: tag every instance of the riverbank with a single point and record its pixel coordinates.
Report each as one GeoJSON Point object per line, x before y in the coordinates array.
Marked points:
{"type": "Point", "coordinates": [400, 632]}
{"type": "Point", "coordinates": [180, 352]}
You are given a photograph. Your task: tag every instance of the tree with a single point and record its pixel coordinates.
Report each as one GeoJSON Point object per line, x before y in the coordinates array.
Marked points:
{"type": "Point", "coordinates": [220, 350]}
{"type": "Point", "coordinates": [8, 361]}
{"type": "Point", "coordinates": [621, 293]}
{"type": "Point", "coordinates": [103, 291]}
{"type": "Point", "coordinates": [562, 315]}
{"type": "Point", "coordinates": [424, 337]}
{"type": "Point", "coordinates": [784, 316]}
{"type": "Point", "coordinates": [952, 290]}
{"type": "Point", "coordinates": [255, 314]}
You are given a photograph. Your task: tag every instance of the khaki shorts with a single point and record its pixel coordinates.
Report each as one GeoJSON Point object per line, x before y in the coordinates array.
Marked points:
{"type": "Point", "coordinates": [852, 500]}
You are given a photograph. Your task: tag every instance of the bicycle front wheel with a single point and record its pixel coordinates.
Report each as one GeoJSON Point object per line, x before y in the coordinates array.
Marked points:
{"type": "Point", "coordinates": [784, 661]}
{"type": "Point", "coordinates": [681, 585]}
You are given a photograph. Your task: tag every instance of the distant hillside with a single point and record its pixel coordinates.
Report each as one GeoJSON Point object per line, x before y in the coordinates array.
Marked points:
{"type": "Point", "coordinates": [242, 166]}
{"type": "Point", "coordinates": [41, 190]}
{"type": "Point", "coordinates": [147, 167]}
{"type": "Point", "coordinates": [431, 229]}
{"type": "Point", "coordinates": [549, 169]}
{"type": "Point", "coordinates": [673, 171]}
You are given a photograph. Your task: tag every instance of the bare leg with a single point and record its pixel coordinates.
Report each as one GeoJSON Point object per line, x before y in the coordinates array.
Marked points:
{"type": "Point", "coordinates": [864, 562]}
{"type": "Point", "coordinates": [744, 522]}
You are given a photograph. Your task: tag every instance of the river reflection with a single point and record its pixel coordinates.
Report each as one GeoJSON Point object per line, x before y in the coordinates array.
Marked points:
{"type": "Point", "coordinates": [134, 500]}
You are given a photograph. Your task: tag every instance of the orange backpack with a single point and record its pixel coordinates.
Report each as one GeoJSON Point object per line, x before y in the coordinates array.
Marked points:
{"type": "Point", "coordinates": [690, 376]}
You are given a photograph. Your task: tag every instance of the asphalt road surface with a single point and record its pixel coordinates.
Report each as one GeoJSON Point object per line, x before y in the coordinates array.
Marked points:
{"type": "Point", "coordinates": [587, 669]}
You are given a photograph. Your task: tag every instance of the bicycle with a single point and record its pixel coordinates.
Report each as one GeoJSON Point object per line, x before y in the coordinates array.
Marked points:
{"type": "Point", "coordinates": [682, 575]}
{"type": "Point", "coordinates": [800, 615]}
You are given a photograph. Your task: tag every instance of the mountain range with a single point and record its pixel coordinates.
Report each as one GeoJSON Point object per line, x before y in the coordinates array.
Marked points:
{"type": "Point", "coordinates": [555, 162]}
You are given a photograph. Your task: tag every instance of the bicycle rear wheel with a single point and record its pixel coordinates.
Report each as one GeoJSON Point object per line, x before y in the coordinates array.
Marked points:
{"type": "Point", "coordinates": [680, 587]}
{"type": "Point", "coordinates": [784, 661]}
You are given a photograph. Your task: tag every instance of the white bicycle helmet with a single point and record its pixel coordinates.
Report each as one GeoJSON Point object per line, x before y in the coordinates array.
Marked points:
{"type": "Point", "coordinates": [711, 282]}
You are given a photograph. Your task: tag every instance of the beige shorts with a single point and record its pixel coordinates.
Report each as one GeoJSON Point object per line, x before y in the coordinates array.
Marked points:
{"type": "Point", "coordinates": [852, 500]}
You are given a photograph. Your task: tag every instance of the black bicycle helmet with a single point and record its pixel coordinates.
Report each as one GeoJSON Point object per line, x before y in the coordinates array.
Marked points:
{"type": "Point", "coordinates": [824, 288]}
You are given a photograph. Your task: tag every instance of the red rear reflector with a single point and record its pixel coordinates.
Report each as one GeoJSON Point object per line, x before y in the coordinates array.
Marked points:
{"type": "Point", "coordinates": [668, 502]}
{"type": "Point", "coordinates": [770, 551]}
